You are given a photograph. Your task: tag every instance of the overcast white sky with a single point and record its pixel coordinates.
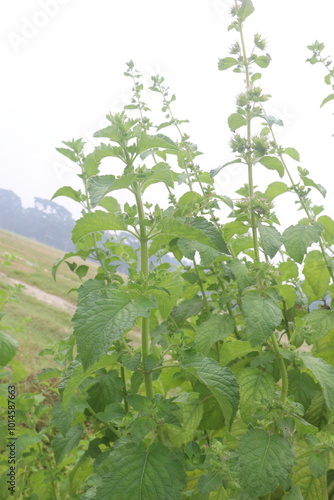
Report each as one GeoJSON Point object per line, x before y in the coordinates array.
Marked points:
{"type": "Point", "coordinates": [63, 64]}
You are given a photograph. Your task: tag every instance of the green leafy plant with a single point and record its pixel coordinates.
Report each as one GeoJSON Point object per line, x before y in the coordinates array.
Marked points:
{"type": "Point", "coordinates": [211, 378]}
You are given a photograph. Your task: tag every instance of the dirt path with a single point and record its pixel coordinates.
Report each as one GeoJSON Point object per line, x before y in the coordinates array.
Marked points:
{"type": "Point", "coordinates": [47, 298]}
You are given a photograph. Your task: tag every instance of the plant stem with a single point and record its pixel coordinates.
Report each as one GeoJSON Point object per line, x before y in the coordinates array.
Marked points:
{"type": "Point", "coordinates": [126, 405]}
{"type": "Point", "coordinates": [249, 160]}
{"type": "Point", "coordinates": [200, 283]}
{"type": "Point", "coordinates": [282, 367]}
{"type": "Point", "coordinates": [145, 326]}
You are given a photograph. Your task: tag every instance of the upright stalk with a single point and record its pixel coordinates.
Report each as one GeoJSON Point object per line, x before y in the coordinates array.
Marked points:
{"type": "Point", "coordinates": [282, 367]}
{"type": "Point", "coordinates": [249, 144]}
{"type": "Point", "coordinates": [145, 326]}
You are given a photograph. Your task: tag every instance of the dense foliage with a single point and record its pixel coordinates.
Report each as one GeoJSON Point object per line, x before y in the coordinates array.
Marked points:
{"type": "Point", "coordinates": [230, 394]}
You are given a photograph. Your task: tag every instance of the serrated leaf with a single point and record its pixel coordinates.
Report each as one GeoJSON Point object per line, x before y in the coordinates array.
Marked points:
{"type": "Point", "coordinates": [288, 294]}
{"type": "Point", "coordinates": [226, 63]}
{"type": "Point", "coordinates": [293, 153]}
{"type": "Point", "coordinates": [186, 309]}
{"type": "Point", "coordinates": [65, 419]}
{"type": "Point", "coordinates": [173, 283]}
{"type": "Point", "coordinates": [294, 494]}
{"type": "Point", "coordinates": [242, 274]}
{"type": "Point", "coordinates": [68, 153]}
{"type": "Point", "coordinates": [210, 482]}
{"type": "Point", "coordinates": [102, 317]}
{"type": "Point", "coordinates": [216, 328]}
{"type": "Point", "coordinates": [262, 316]}
{"type": "Point", "coordinates": [96, 221]}
{"type": "Point", "coordinates": [273, 163]}
{"type": "Point", "coordinates": [217, 170]}
{"type": "Point", "coordinates": [235, 349]}
{"type": "Point", "coordinates": [92, 161]}
{"type": "Point", "coordinates": [310, 486]}
{"type": "Point", "coordinates": [191, 416]}
{"type": "Point", "coordinates": [316, 273]}
{"type": "Point", "coordinates": [302, 387]}
{"type": "Point", "coordinates": [271, 239]}
{"type": "Point", "coordinates": [197, 229]}
{"type": "Point", "coordinates": [110, 204]}
{"type": "Point", "coordinates": [262, 61]}
{"type": "Point", "coordinates": [235, 121]}
{"type": "Point", "coordinates": [275, 189]}
{"type": "Point", "coordinates": [288, 270]}
{"type": "Point", "coordinates": [245, 10]}
{"type": "Point", "coordinates": [298, 238]}
{"type": "Point", "coordinates": [318, 187]}
{"type": "Point", "coordinates": [323, 373]}
{"type": "Point", "coordinates": [318, 465]}
{"type": "Point", "coordinates": [69, 192]}
{"type": "Point", "coordinates": [327, 99]}
{"type": "Point", "coordinates": [63, 445]}
{"type": "Point", "coordinates": [100, 185]}
{"type": "Point", "coordinates": [155, 141]}
{"type": "Point", "coordinates": [161, 172]}
{"type": "Point", "coordinates": [8, 348]}
{"type": "Point", "coordinates": [132, 471]}
{"type": "Point", "coordinates": [255, 385]}
{"type": "Point", "coordinates": [220, 381]}
{"type": "Point", "coordinates": [265, 462]}
{"type": "Point", "coordinates": [55, 266]}
{"type": "Point", "coordinates": [328, 225]}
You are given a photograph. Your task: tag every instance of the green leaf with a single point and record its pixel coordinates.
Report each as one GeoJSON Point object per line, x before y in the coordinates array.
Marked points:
{"type": "Point", "coordinates": [265, 462]}
{"type": "Point", "coordinates": [235, 349]}
{"type": "Point", "coordinates": [288, 294]}
{"type": "Point", "coordinates": [210, 482]}
{"type": "Point", "coordinates": [245, 10]}
{"type": "Point", "coordinates": [92, 161]}
{"type": "Point", "coordinates": [271, 239]}
{"type": "Point", "coordinates": [75, 376]}
{"type": "Point", "coordinates": [262, 61]}
{"type": "Point", "coordinates": [161, 172]}
{"type": "Point", "coordinates": [217, 170]}
{"type": "Point", "coordinates": [310, 486]}
{"type": "Point", "coordinates": [68, 153]}
{"type": "Point", "coordinates": [100, 185]}
{"type": "Point", "coordinates": [328, 225]}
{"type": "Point", "coordinates": [298, 238]}
{"type": "Point", "coordinates": [191, 416]}
{"type": "Point", "coordinates": [96, 221]}
{"type": "Point", "coordinates": [155, 141]}
{"type": "Point", "coordinates": [59, 261]}
{"type": "Point", "coordinates": [186, 309]}
{"type": "Point", "coordinates": [102, 316]}
{"type": "Point", "coordinates": [262, 315]}
{"type": "Point", "coordinates": [288, 270]}
{"type": "Point", "coordinates": [275, 189]}
{"type": "Point", "coordinates": [327, 99]}
{"type": "Point", "coordinates": [255, 385]}
{"type": "Point", "coordinates": [216, 328]}
{"type": "Point", "coordinates": [172, 282]}
{"type": "Point", "coordinates": [255, 77]}
{"type": "Point", "coordinates": [65, 419]}
{"type": "Point", "coordinates": [110, 204]}
{"type": "Point", "coordinates": [232, 228]}
{"type": "Point", "coordinates": [197, 229]}
{"type": "Point", "coordinates": [220, 381]}
{"type": "Point", "coordinates": [302, 387]}
{"type": "Point", "coordinates": [69, 192]}
{"type": "Point", "coordinates": [132, 471]}
{"type": "Point", "coordinates": [316, 273]}
{"type": "Point", "coordinates": [226, 63]}
{"type": "Point", "coordinates": [63, 445]}
{"type": "Point", "coordinates": [273, 163]}
{"type": "Point", "coordinates": [323, 373]}
{"type": "Point", "coordinates": [235, 121]}
{"type": "Point", "coordinates": [309, 182]}
{"type": "Point", "coordinates": [242, 274]}
{"type": "Point", "coordinates": [318, 465]}
{"type": "Point", "coordinates": [293, 153]}
{"type": "Point", "coordinates": [8, 348]}
{"type": "Point", "coordinates": [294, 494]}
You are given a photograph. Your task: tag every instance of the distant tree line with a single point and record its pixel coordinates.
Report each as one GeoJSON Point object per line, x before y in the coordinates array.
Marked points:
{"type": "Point", "coordinates": [50, 223]}
{"type": "Point", "coordinates": [46, 221]}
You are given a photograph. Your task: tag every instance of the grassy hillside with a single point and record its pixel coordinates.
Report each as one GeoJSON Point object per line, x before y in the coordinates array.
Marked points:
{"type": "Point", "coordinates": [44, 309]}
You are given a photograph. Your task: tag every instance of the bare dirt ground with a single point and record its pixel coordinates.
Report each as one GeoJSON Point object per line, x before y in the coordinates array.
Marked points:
{"type": "Point", "coordinates": [42, 296]}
